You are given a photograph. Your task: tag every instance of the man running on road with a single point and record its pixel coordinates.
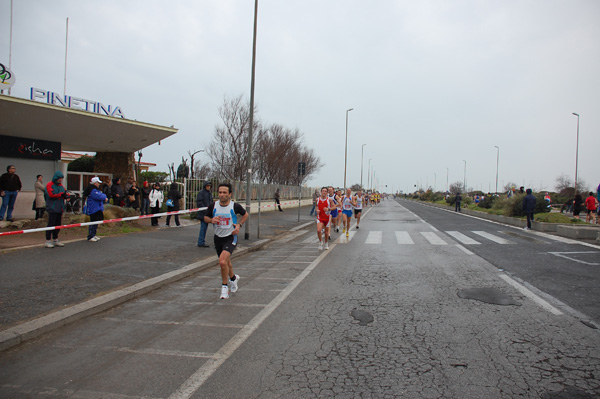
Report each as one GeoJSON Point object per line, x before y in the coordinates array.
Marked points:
{"type": "Point", "coordinates": [358, 207]}
{"type": "Point", "coordinates": [223, 215]}
{"type": "Point", "coordinates": [324, 206]}
{"type": "Point", "coordinates": [347, 205]}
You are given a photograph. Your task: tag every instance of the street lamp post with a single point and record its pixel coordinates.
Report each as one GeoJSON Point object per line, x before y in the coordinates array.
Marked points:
{"type": "Point", "coordinates": [497, 164]}
{"type": "Point", "coordinates": [576, 152]}
{"type": "Point", "coordinates": [465, 178]}
{"type": "Point", "coordinates": [362, 153]}
{"type": "Point", "coordinates": [249, 156]}
{"type": "Point", "coordinates": [346, 150]}
{"type": "Point", "coordinates": [369, 175]}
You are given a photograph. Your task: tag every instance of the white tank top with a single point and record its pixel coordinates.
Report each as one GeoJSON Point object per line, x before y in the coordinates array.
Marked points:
{"type": "Point", "coordinates": [347, 203]}
{"type": "Point", "coordinates": [359, 201]}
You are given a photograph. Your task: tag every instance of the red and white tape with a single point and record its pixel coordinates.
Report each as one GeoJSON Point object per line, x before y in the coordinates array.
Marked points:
{"type": "Point", "coordinates": [67, 226]}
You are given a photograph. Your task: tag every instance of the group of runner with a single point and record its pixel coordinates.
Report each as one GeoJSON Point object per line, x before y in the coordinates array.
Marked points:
{"type": "Point", "coordinates": [334, 209]}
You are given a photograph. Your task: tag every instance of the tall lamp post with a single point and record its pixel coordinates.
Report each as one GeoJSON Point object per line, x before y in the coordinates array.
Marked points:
{"type": "Point", "coordinates": [249, 156]}
{"type": "Point", "coordinates": [576, 152]}
{"type": "Point", "coordinates": [465, 178]}
{"type": "Point", "coordinates": [369, 175]}
{"type": "Point", "coordinates": [362, 153]}
{"type": "Point", "coordinates": [497, 164]}
{"type": "Point", "coordinates": [346, 150]}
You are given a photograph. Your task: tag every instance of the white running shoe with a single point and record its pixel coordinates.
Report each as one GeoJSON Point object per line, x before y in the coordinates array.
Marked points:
{"type": "Point", "coordinates": [326, 245]}
{"type": "Point", "coordinates": [49, 244]}
{"type": "Point", "coordinates": [224, 292]}
{"type": "Point", "coordinates": [234, 284]}
{"type": "Point", "coordinates": [58, 243]}
{"type": "Point", "coordinates": [94, 239]}
{"type": "Point", "coordinates": [320, 245]}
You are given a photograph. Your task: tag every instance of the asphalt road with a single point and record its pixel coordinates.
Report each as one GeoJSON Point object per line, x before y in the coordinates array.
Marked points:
{"type": "Point", "coordinates": [401, 308]}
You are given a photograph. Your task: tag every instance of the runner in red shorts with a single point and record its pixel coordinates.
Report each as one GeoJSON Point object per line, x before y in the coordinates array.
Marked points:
{"type": "Point", "coordinates": [324, 206]}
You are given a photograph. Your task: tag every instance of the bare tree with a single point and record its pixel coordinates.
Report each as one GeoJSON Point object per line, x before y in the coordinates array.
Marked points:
{"type": "Point", "coordinates": [456, 187]}
{"type": "Point", "coordinates": [202, 171]}
{"type": "Point", "coordinates": [229, 146]}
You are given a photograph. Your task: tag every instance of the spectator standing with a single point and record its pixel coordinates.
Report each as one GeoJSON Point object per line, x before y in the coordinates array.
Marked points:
{"type": "Point", "coordinates": [117, 192]}
{"type": "Point", "coordinates": [133, 195]}
{"type": "Point", "coordinates": [315, 196]}
{"type": "Point", "coordinates": [529, 207]}
{"type": "Point", "coordinates": [277, 196]}
{"type": "Point", "coordinates": [204, 199]}
{"type": "Point", "coordinates": [156, 199]}
{"type": "Point", "coordinates": [40, 202]}
{"type": "Point", "coordinates": [55, 206]}
{"type": "Point", "coordinates": [591, 205]}
{"type": "Point", "coordinates": [457, 201]}
{"type": "Point", "coordinates": [577, 205]}
{"type": "Point", "coordinates": [95, 207]}
{"type": "Point", "coordinates": [174, 196]}
{"type": "Point", "coordinates": [10, 185]}
{"type": "Point", "coordinates": [145, 196]}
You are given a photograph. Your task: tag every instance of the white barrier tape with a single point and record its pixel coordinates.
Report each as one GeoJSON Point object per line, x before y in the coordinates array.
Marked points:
{"type": "Point", "coordinates": [125, 219]}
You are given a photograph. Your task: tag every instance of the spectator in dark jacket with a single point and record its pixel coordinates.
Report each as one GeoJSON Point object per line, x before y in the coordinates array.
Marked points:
{"type": "Point", "coordinates": [145, 191]}
{"type": "Point", "coordinates": [203, 200]}
{"type": "Point", "coordinates": [577, 206]}
{"type": "Point", "coordinates": [457, 200]}
{"type": "Point", "coordinates": [55, 207]}
{"type": "Point", "coordinates": [10, 185]}
{"type": "Point", "coordinates": [174, 196]}
{"type": "Point", "coordinates": [117, 192]}
{"type": "Point", "coordinates": [529, 207]}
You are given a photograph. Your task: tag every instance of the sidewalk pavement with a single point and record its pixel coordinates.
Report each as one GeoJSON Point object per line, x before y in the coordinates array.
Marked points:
{"type": "Point", "coordinates": [43, 289]}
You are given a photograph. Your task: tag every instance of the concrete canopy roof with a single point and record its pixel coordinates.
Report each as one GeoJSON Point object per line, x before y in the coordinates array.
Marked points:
{"type": "Point", "coordinates": [76, 130]}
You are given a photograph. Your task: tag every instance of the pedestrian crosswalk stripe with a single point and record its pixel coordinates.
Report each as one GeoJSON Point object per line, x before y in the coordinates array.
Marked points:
{"type": "Point", "coordinates": [403, 237]}
{"type": "Point", "coordinates": [462, 238]}
{"type": "Point", "coordinates": [492, 237]}
{"type": "Point", "coordinates": [433, 238]}
{"type": "Point", "coordinates": [374, 237]}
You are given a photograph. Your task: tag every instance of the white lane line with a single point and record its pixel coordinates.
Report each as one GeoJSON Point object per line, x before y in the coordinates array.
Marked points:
{"type": "Point", "coordinates": [523, 290]}
{"type": "Point", "coordinates": [465, 250]}
{"type": "Point", "coordinates": [403, 238]}
{"type": "Point", "coordinates": [433, 238]}
{"type": "Point", "coordinates": [175, 323]}
{"type": "Point", "coordinates": [462, 238]}
{"type": "Point", "coordinates": [145, 351]}
{"type": "Point", "coordinates": [195, 381]}
{"type": "Point", "coordinates": [564, 255]}
{"type": "Point", "coordinates": [374, 237]}
{"type": "Point", "coordinates": [491, 237]}
{"type": "Point", "coordinates": [342, 239]}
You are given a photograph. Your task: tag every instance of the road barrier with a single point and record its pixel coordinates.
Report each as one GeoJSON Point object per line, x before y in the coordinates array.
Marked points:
{"type": "Point", "coordinates": [125, 219]}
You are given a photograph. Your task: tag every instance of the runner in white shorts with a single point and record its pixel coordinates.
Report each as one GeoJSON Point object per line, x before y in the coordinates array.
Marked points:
{"type": "Point", "coordinates": [347, 205]}
{"type": "Point", "coordinates": [358, 207]}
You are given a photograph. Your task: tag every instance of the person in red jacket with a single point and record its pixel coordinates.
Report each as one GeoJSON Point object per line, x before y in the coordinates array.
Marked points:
{"type": "Point", "coordinates": [591, 204]}
{"type": "Point", "coordinates": [55, 207]}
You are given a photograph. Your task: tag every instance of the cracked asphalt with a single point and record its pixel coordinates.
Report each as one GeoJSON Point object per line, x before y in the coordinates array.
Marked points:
{"type": "Point", "coordinates": [366, 319]}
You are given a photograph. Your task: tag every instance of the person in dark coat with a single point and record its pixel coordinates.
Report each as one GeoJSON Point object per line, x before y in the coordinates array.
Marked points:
{"type": "Point", "coordinates": [174, 196]}
{"type": "Point", "coordinates": [577, 202]}
{"type": "Point", "coordinates": [133, 194]}
{"type": "Point", "coordinates": [10, 185]}
{"type": "Point", "coordinates": [204, 199]}
{"type": "Point", "coordinates": [529, 207]}
{"type": "Point", "coordinates": [117, 192]}
{"type": "Point", "coordinates": [457, 200]}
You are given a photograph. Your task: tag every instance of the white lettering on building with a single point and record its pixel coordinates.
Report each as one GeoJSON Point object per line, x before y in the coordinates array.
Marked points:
{"type": "Point", "coordinates": [96, 107]}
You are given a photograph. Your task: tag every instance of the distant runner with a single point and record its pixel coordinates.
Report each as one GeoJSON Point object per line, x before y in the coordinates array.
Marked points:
{"type": "Point", "coordinates": [347, 205]}
{"type": "Point", "coordinates": [358, 207]}
{"type": "Point", "coordinates": [324, 206]}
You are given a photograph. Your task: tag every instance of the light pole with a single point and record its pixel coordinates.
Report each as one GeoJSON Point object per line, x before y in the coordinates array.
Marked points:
{"type": "Point", "coordinates": [249, 156]}
{"type": "Point", "coordinates": [447, 173]}
{"type": "Point", "coordinates": [465, 178]}
{"type": "Point", "coordinates": [361, 164]}
{"type": "Point", "coordinates": [576, 152]}
{"type": "Point", "coordinates": [346, 150]}
{"type": "Point", "coordinates": [369, 175]}
{"type": "Point", "coordinates": [497, 164]}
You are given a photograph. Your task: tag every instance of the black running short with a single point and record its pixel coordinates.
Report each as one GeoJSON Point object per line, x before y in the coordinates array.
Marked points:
{"type": "Point", "coordinates": [225, 244]}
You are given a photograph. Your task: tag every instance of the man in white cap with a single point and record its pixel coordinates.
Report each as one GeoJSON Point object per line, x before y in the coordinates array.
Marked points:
{"type": "Point", "coordinates": [95, 207]}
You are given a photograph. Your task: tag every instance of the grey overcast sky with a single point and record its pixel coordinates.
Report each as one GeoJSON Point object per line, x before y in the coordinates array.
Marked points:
{"type": "Point", "coordinates": [432, 83]}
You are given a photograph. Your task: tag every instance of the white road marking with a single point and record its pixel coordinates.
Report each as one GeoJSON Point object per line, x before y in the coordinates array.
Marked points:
{"type": "Point", "coordinates": [462, 238]}
{"type": "Point", "coordinates": [465, 250]}
{"type": "Point", "coordinates": [564, 255]}
{"type": "Point", "coordinates": [195, 381]}
{"type": "Point", "coordinates": [492, 237]}
{"type": "Point", "coordinates": [523, 290]}
{"type": "Point", "coordinates": [374, 237]}
{"type": "Point", "coordinates": [433, 238]}
{"type": "Point", "coordinates": [403, 238]}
